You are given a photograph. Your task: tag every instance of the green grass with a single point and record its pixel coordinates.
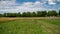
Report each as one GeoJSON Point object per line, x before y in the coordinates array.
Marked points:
{"type": "Point", "coordinates": [55, 22]}
{"type": "Point", "coordinates": [30, 26]}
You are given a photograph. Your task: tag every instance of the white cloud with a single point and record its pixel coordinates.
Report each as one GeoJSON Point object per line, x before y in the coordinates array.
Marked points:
{"type": "Point", "coordinates": [52, 2]}
{"type": "Point", "coordinates": [30, 6]}
{"type": "Point", "coordinates": [26, 6]}
{"type": "Point", "coordinates": [7, 5]}
{"type": "Point", "coordinates": [11, 6]}
{"type": "Point", "coordinates": [7, 2]}
{"type": "Point", "coordinates": [37, 3]}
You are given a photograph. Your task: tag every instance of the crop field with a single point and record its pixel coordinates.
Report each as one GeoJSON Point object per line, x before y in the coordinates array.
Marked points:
{"type": "Point", "coordinates": [27, 25]}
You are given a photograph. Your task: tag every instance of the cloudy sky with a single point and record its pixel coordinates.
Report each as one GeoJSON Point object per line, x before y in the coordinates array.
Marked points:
{"type": "Point", "coordinates": [28, 5]}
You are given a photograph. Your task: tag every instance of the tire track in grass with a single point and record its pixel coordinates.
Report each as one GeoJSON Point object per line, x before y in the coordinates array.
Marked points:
{"type": "Point", "coordinates": [39, 25]}
{"type": "Point", "coordinates": [49, 28]}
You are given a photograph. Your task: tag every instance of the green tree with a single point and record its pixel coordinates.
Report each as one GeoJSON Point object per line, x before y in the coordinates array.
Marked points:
{"type": "Point", "coordinates": [24, 14]}
{"type": "Point", "coordinates": [52, 13]}
{"type": "Point", "coordinates": [43, 13]}
{"type": "Point", "coordinates": [1, 15]}
{"type": "Point", "coordinates": [38, 13]}
{"type": "Point", "coordinates": [5, 14]}
{"type": "Point", "coordinates": [19, 14]}
{"type": "Point", "coordinates": [33, 14]}
{"type": "Point", "coordinates": [28, 14]}
{"type": "Point", "coordinates": [11, 14]}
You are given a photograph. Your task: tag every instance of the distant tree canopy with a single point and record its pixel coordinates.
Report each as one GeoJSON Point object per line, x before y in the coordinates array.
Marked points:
{"type": "Point", "coordinates": [52, 13]}
{"type": "Point", "coordinates": [0, 15]}
{"type": "Point", "coordinates": [32, 14]}
{"type": "Point", "coordinates": [59, 12]}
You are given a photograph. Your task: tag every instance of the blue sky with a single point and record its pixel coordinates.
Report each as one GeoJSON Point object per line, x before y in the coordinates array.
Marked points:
{"type": "Point", "coordinates": [28, 5]}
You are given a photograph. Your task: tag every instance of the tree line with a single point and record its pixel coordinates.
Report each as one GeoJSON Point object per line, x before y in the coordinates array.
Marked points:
{"type": "Point", "coordinates": [32, 14]}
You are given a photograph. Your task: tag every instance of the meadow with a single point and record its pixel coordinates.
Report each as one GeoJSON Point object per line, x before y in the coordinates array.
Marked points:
{"type": "Point", "coordinates": [27, 25]}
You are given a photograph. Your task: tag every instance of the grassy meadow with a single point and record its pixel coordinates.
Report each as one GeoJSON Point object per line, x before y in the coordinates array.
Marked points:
{"type": "Point", "coordinates": [23, 25]}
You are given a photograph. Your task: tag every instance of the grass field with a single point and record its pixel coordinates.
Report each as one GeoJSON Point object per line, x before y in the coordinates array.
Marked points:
{"type": "Point", "coordinates": [30, 25]}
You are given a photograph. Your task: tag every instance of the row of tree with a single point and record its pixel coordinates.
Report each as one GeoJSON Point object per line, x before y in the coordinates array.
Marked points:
{"type": "Point", "coordinates": [32, 14]}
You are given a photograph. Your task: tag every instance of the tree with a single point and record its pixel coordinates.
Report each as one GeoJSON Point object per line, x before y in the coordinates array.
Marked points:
{"type": "Point", "coordinates": [28, 14]}
{"type": "Point", "coordinates": [33, 14]}
{"type": "Point", "coordinates": [38, 14]}
{"type": "Point", "coordinates": [0, 15]}
{"type": "Point", "coordinates": [5, 15]}
{"type": "Point", "coordinates": [11, 15]}
{"type": "Point", "coordinates": [19, 14]}
{"type": "Point", "coordinates": [59, 12]}
{"type": "Point", "coordinates": [52, 13]}
{"type": "Point", "coordinates": [43, 13]}
{"type": "Point", "coordinates": [24, 14]}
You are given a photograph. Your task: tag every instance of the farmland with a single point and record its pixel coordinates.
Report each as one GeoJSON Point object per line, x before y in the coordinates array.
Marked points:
{"type": "Point", "coordinates": [27, 25]}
